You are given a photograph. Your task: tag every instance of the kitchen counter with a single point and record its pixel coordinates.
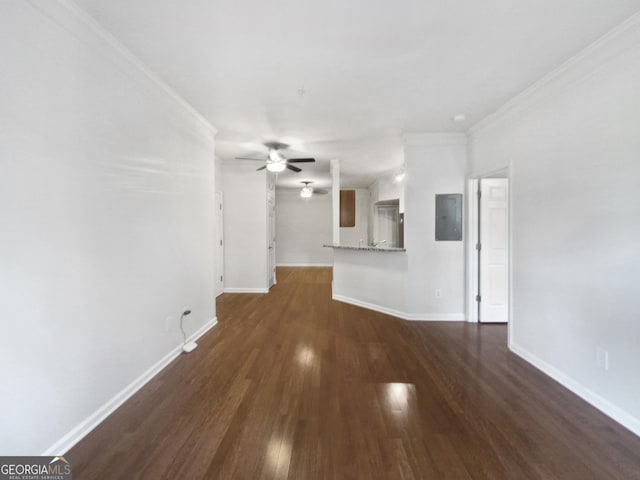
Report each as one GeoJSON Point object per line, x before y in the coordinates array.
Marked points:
{"type": "Point", "coordinates": [366, 248]}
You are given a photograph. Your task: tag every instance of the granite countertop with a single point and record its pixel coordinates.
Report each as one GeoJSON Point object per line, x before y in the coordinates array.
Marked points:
{"type": "Point", "coordinates": [369, 248]}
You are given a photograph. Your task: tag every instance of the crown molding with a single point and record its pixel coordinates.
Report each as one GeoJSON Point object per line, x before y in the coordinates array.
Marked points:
{"type": "Point", "coordinates": [435, 138]}
{"type": "Point", "coordinates": [578, 68]}
{"type": "Point", "coordinates": [71, 17]}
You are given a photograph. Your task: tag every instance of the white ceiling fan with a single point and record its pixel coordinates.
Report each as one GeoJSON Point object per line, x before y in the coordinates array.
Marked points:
{"type": "Point", "coordinates": [308, 191]}
{"type": "Point", "coordinates": [276, 161]}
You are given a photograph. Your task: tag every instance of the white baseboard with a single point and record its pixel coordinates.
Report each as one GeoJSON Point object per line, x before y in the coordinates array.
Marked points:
{"type": "Point", "coordinates": [436, 317]}
{"type": "Point", "coordinates": [425, 317]}
{"type": "Point", "coordinates": [65, 444]}
{"type": "Point", "coordinates": [369, 306]}
{"type": "Point", "coordinates": [304, 265]}
{"type": "Point", "coordinates": [246, 290]}
{"type": "Point", "coordinates": [605, 406]}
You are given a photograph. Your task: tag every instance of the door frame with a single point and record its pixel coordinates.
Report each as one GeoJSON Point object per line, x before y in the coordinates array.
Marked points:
{"type": "Point", "coordinates": [271, 238]}
{"type": "Point", "coordinates": [473, 205]}
{"type": "Point", "coordinates": [219, 208]}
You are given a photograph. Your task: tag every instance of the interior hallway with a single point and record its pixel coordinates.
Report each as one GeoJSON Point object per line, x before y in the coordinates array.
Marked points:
{"type": "Point", "coordinates": [294, 385]}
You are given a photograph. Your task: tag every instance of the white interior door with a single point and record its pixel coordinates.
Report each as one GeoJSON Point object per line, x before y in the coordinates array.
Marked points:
{"type": "Point", "coordinates": [219, 247]}
{"type": "Point", "coordinates": [494, 250]}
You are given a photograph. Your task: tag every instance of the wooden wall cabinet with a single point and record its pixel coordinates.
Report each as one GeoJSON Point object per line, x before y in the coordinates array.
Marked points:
{"type": "Point", "coordinates": [347, 208]}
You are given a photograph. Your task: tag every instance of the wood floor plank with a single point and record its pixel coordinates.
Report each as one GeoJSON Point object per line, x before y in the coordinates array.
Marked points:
{"type": "Point", "coordinates": [294, 385]}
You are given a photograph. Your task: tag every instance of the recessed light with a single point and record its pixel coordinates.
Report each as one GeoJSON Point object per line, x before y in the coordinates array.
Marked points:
{"type": "Point", "coordinates": [459, 117]}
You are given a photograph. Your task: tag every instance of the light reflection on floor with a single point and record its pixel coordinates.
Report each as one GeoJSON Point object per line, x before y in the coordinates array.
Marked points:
{"type": "Point", "coordinates": [305, 355]}
{"type": "Point", "coordinates": [278, 457]}
{"type": "Point", "coordinates": [397, 397]}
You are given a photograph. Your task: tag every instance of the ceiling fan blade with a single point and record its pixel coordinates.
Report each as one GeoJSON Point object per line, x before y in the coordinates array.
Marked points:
{"type": "Point", "coordinates": [261, 168]}
{"type": "Point", "coordinates": [320, 191]}
{"type": "Point", "coordinates": [295, 169]}
{"type": "Point", "coordinates": [247, 158]}
{"type": "Point", "coordinates": [301, 160]}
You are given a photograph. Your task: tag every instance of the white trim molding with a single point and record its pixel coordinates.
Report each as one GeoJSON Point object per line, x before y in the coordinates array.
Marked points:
{"type": "Point", "coordinates": [436, 317]}
{"type": "Point", "coordinates": [471, 259]}
{"type": "Point", "coordinates": [70, 16]}
{"type": "Point", "coordinates": [304, 265]}
{"type": "Point", "coordinates": [65, 444]}
{"type": "Point", "coordinates": [369, 306]}
{"type": "Point", "coordinates": [577, 68]}
{"type": "Point", "coordinates": [423, 317]}
{"type": "Point", "coordinates": [245, 290]}
{"type": "Point", "coordinates": [605, 406]}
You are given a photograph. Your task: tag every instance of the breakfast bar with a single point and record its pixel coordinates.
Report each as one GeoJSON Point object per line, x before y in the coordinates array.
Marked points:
{"type": "Point", "coordinates": [370, 276]}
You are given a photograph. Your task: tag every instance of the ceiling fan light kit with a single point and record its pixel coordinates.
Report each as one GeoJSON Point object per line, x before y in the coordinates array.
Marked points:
{"type": "Point", "coordinates": [275, 156]}
{"type": "Point", "coordinates": [306, 191]}
{"type": "Point", "coordinates": [276, 166]}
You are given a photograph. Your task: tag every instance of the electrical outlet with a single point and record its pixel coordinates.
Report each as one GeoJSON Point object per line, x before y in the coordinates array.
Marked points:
{"type": "Point", "coordinates": [602, 358]}
{"type": "Point", "coordinates": [438, 293]}
{"type": "Point", "coordinates": [167, 324]}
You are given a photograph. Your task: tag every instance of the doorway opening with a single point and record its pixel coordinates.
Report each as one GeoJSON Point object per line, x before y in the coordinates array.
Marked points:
{"type": "Point", "coordinates": [489, 248]}
{"type": "Point", "coordinates": [388, 224]}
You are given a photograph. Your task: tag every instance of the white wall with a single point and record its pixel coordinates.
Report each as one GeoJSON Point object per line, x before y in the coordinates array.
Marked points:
{"type": "Point", "coordinates": [573, 142]}
{"type": "Point", "coordinates": [245, 227]}
{"type": "Point", "coordinates": [353, 235]}
{"type": "Point", "coordinates": [335, 199]}
{"type": "Point", "coordinates": [303, 225]}
{"type": "Point", "coordinates": [435, 163]}
{"type": "Point", "coordinates": [106, 201]}
{"type": "Point", "coordinates": [387, 189]}
{"type": "Point", "coordinates": [219, 186]}
{"type": "Point", "coordinates": [370, 279]}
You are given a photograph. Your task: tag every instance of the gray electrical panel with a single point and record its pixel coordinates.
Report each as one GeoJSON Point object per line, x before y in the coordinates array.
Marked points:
{"type": "Point", "coordinates": [449, 217]}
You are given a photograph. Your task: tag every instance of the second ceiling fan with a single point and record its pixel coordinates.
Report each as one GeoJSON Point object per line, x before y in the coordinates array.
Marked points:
{"type": "Point", "coordinates": [276, 162]}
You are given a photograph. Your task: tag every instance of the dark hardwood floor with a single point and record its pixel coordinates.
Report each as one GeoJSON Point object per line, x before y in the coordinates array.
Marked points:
{"type": "Point", "coordinates": [294, 385]}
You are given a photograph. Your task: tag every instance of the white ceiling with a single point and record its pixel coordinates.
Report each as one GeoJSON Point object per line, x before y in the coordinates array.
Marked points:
{"type": "Point", "coordinates": [345, 78]}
